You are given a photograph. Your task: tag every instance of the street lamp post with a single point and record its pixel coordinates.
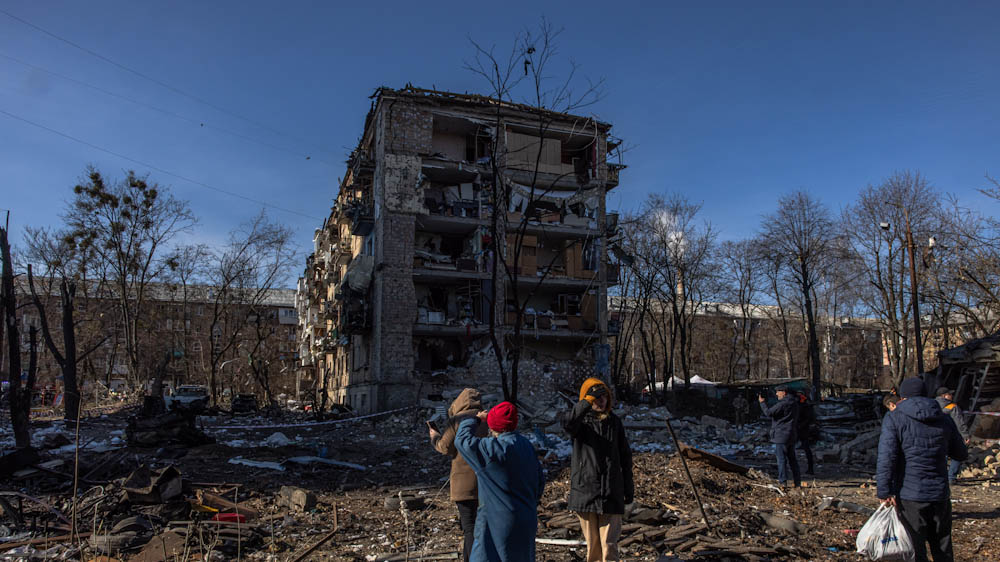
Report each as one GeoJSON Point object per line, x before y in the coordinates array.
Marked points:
{"type": "Point", "coordinates": [915, 302]}
{"type": "Point", "coordinates": [917, 343]}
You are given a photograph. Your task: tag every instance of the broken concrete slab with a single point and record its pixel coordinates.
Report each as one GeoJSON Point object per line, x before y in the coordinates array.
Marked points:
{"type": "Point", "coordinates": [717, 423]}
{"type": "Point", "coordinates": [296, 499]}
{"type": "Point", "coordinates": [147, 486]}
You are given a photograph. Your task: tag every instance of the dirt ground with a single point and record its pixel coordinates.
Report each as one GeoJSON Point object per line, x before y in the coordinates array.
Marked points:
{"type": "Point", "coordinates": [397, 458]}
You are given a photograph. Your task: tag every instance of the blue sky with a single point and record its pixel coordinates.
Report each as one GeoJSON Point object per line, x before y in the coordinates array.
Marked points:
{"type": "Point", "coordinates": [728, 103]}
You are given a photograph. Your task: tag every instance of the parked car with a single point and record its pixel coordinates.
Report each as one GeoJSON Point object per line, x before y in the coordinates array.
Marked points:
{"type": "Point", "coordinates": [244, 403]}
{"type": "Point", "coordinates": [188, 397]}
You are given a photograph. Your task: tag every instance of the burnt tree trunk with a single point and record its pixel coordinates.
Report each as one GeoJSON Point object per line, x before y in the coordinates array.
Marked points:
{"type": "Point", "coordinates": [19, 398]}
{"type": "Point", "coordinates": [67, 359]}
{"type": "Point", "coordinates": [67, 295]}
{"type": "Point", "coordinates": [814, 360]}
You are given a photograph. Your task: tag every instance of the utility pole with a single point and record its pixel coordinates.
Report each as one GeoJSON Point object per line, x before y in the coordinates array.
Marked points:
{"type": "Point", "coordinates": [918, 345]}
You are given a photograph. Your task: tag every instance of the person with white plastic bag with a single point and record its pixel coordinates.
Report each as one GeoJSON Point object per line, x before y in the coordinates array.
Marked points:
{"type": "Point", "coordinates": [883, 537]}
{"type": "Point", "coordinates": [916, 441]}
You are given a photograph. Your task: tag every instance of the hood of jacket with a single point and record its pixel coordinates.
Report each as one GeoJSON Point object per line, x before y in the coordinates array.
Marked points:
{"type": "Point", "coordinates": [591, 383]}
{"type": "Point", "coordinates": [469, 400]}
{"type": "Point", "coordinates": [920, 408]}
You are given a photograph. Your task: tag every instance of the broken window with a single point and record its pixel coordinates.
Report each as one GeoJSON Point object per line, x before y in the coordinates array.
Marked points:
{"type": "Point", "coordinates": [435, 354]}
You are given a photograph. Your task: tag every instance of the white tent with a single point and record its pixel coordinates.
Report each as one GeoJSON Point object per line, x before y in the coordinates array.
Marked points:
{"type": "Point", "coordinates": [695, 381]}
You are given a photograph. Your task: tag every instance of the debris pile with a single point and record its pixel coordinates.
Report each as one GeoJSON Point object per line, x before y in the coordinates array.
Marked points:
{"type": "Point", "coordinates": [983, 464]}
{"type": "Point", "coordinates": [374, 490]}
{"type": "Point", "coordinates": [173, 428]}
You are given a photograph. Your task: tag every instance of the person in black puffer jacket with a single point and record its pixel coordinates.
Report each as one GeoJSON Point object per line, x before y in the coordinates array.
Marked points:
{"type": "Point", "coordinates": [784, 421]}
{"type": "Point", "coordinates": [912, 474]}
{"type": "Point", "coordinates": [601, 467]}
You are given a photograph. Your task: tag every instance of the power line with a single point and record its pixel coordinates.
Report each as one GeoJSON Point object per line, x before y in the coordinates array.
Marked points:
{"type": "Point", "coordinates": [166, 112]}
{"type": "Point", "coordinates": [149, 78]}
{"type": "Point", "coordinates": [158, 169]}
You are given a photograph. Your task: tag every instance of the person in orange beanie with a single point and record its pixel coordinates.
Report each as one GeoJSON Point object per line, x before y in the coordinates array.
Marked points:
{"type": "Point", "coordinates": [601, 469]}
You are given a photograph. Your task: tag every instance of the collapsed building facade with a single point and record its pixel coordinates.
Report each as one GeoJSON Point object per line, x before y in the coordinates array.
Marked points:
{"type": "Point", "coordinates": [463, 229]}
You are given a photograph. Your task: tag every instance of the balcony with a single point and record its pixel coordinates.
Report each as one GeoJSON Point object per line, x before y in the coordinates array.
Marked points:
{"type": "Point", "coordinates": [355, 320]}
{"type": "Point", "coordinates": [362, 216]}
{"type": "Point", "coordinates": [444, 330]}
{"type": "Point", "coordinates": [361, 163]}
{"type": "Point", "coordinates": [614, 170]}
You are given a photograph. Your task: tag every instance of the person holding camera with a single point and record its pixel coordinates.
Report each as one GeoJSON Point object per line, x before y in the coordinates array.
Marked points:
{"type": "Point", "coordinates": [601, 469]}
{"type": "Point", "coordinates": [464, 491]}
{"type": "Point", "coordinates": [784, 433]}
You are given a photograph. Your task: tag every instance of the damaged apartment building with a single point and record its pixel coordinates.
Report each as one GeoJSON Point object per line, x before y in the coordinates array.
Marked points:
{"type": "Point", "coordinates": [461, 223]}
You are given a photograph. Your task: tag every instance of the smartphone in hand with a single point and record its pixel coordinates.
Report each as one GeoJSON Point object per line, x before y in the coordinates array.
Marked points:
{"type": "Point", "coordinates": [430, 426]}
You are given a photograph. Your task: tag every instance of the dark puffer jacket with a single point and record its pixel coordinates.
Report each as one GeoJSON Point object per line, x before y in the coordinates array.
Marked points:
{"type": "Point", "coordinates": [806, 426]}
{"type": "Point", "coordinates": [601, 466]}
{"type": "Point", "coordinates": [784, 419]}
{"type": "Point", "coordinates": [916, 441]}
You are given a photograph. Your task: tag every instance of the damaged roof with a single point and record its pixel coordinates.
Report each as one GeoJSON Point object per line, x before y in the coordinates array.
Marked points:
{"type": "Point", "coordinates": [478, 101]}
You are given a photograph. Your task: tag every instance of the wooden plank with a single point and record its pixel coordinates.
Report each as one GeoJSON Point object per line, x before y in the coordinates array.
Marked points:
{"type": "Point", "coordinates": [712, 460]}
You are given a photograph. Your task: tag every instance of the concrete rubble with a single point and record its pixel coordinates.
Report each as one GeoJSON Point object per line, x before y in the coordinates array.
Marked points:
{"type": "Point", "coordinates": [372, 489]}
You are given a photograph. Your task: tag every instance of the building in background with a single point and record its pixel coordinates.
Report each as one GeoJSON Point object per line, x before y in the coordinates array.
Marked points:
{"type": "Point", "coordinates": [401, 295]}
{"type": "Point", "coordinates": [179, 320]}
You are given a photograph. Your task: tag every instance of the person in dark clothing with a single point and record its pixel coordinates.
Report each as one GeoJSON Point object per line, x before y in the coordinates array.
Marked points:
{"type": "Point", "coordinates": [912, 474]}
{"type": "Point", "coordinates": [805, 428]}
{"type": "Point", "coordinates": [946, 399]}
{"type": "Point", "coordinates": [463, 480]}
{"type": "Point", "coordinates": [784, 419]}
{"type": "Point", "coordinates": [601, 470]}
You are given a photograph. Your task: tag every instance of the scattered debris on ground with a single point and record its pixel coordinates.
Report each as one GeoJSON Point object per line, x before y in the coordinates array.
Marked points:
{"type": "Point", "coordinates": [373, 490]}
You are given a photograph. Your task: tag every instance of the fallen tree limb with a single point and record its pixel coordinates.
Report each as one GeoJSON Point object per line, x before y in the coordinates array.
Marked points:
{"type": "Point", "coordinates": [42, 540]}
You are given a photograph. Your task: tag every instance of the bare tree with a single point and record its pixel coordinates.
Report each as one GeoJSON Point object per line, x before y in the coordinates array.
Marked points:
{"type": "Point", "coordinates": [521, 82]}
{"type": "Point", "coordinates": [185, 268]}
{"type": "Point", "coordinates": [127, 224]}
{"type": "Point", "coordinates": [18, 396]}
{"type": "Point", "coordinates": [636, 307]}
{"type": "Point", "coordinates": [242, 275]}
{"type": "Point", "coordinates": [967, 269]}
{"type": "Point", "coordinates": [875, 227]}
{"type": "Point", "coordinates": [66, 281]}
{"type": "Point", "coordinates": [741, 276]}
{"type": "Point", "coordinates": [801, 236]}
{"type": "Point", "coordinates": [679, 258]}
{"type": "Point", "coordinates": [776, 289]}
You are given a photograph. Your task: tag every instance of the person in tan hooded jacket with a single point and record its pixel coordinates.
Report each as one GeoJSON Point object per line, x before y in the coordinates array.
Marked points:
{"type": "Point", "coordinates": [464, 492]}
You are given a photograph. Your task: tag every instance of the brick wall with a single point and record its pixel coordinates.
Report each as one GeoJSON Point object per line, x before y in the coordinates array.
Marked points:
{"type": "Point", "coordinates": [395, 309]}
{"type": "Point", "coordinates": [408, 128]}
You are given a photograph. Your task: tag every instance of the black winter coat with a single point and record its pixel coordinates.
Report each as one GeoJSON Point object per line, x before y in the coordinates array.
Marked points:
{"type": "Point", "coordinates": [601, 466]}
{"type": "Point", "coordinates": [806, 427]}
{"type": "Point", "coordinates": [784, 419]}
{"type": "Point", "coordinates": [917, 439]}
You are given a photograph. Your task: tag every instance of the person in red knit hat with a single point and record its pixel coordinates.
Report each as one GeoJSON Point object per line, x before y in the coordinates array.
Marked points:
{"type": "Point", "coordinates": [510, 485]}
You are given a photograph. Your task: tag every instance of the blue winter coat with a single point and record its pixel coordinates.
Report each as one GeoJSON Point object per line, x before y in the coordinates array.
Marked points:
{"type": "Point", "coordinates": [913, 449]}
{"type": "Point", "coordinates": [510, 484]}
{"type": "Point", "coordinates": [784, 419]}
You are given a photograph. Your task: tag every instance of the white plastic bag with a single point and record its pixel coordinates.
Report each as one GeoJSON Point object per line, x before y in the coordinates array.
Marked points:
{"type": "Point", "coordinates": [883, 537]}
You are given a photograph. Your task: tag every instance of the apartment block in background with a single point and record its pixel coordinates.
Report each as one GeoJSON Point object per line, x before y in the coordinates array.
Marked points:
{"type": "Point", "coordinates": [401, 291]}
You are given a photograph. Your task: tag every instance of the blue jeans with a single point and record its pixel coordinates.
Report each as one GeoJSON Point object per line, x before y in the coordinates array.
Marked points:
{"type": "Point", "coordinates": [953, 467]}
{"type": "Point", "coordinates": [785, 452]}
